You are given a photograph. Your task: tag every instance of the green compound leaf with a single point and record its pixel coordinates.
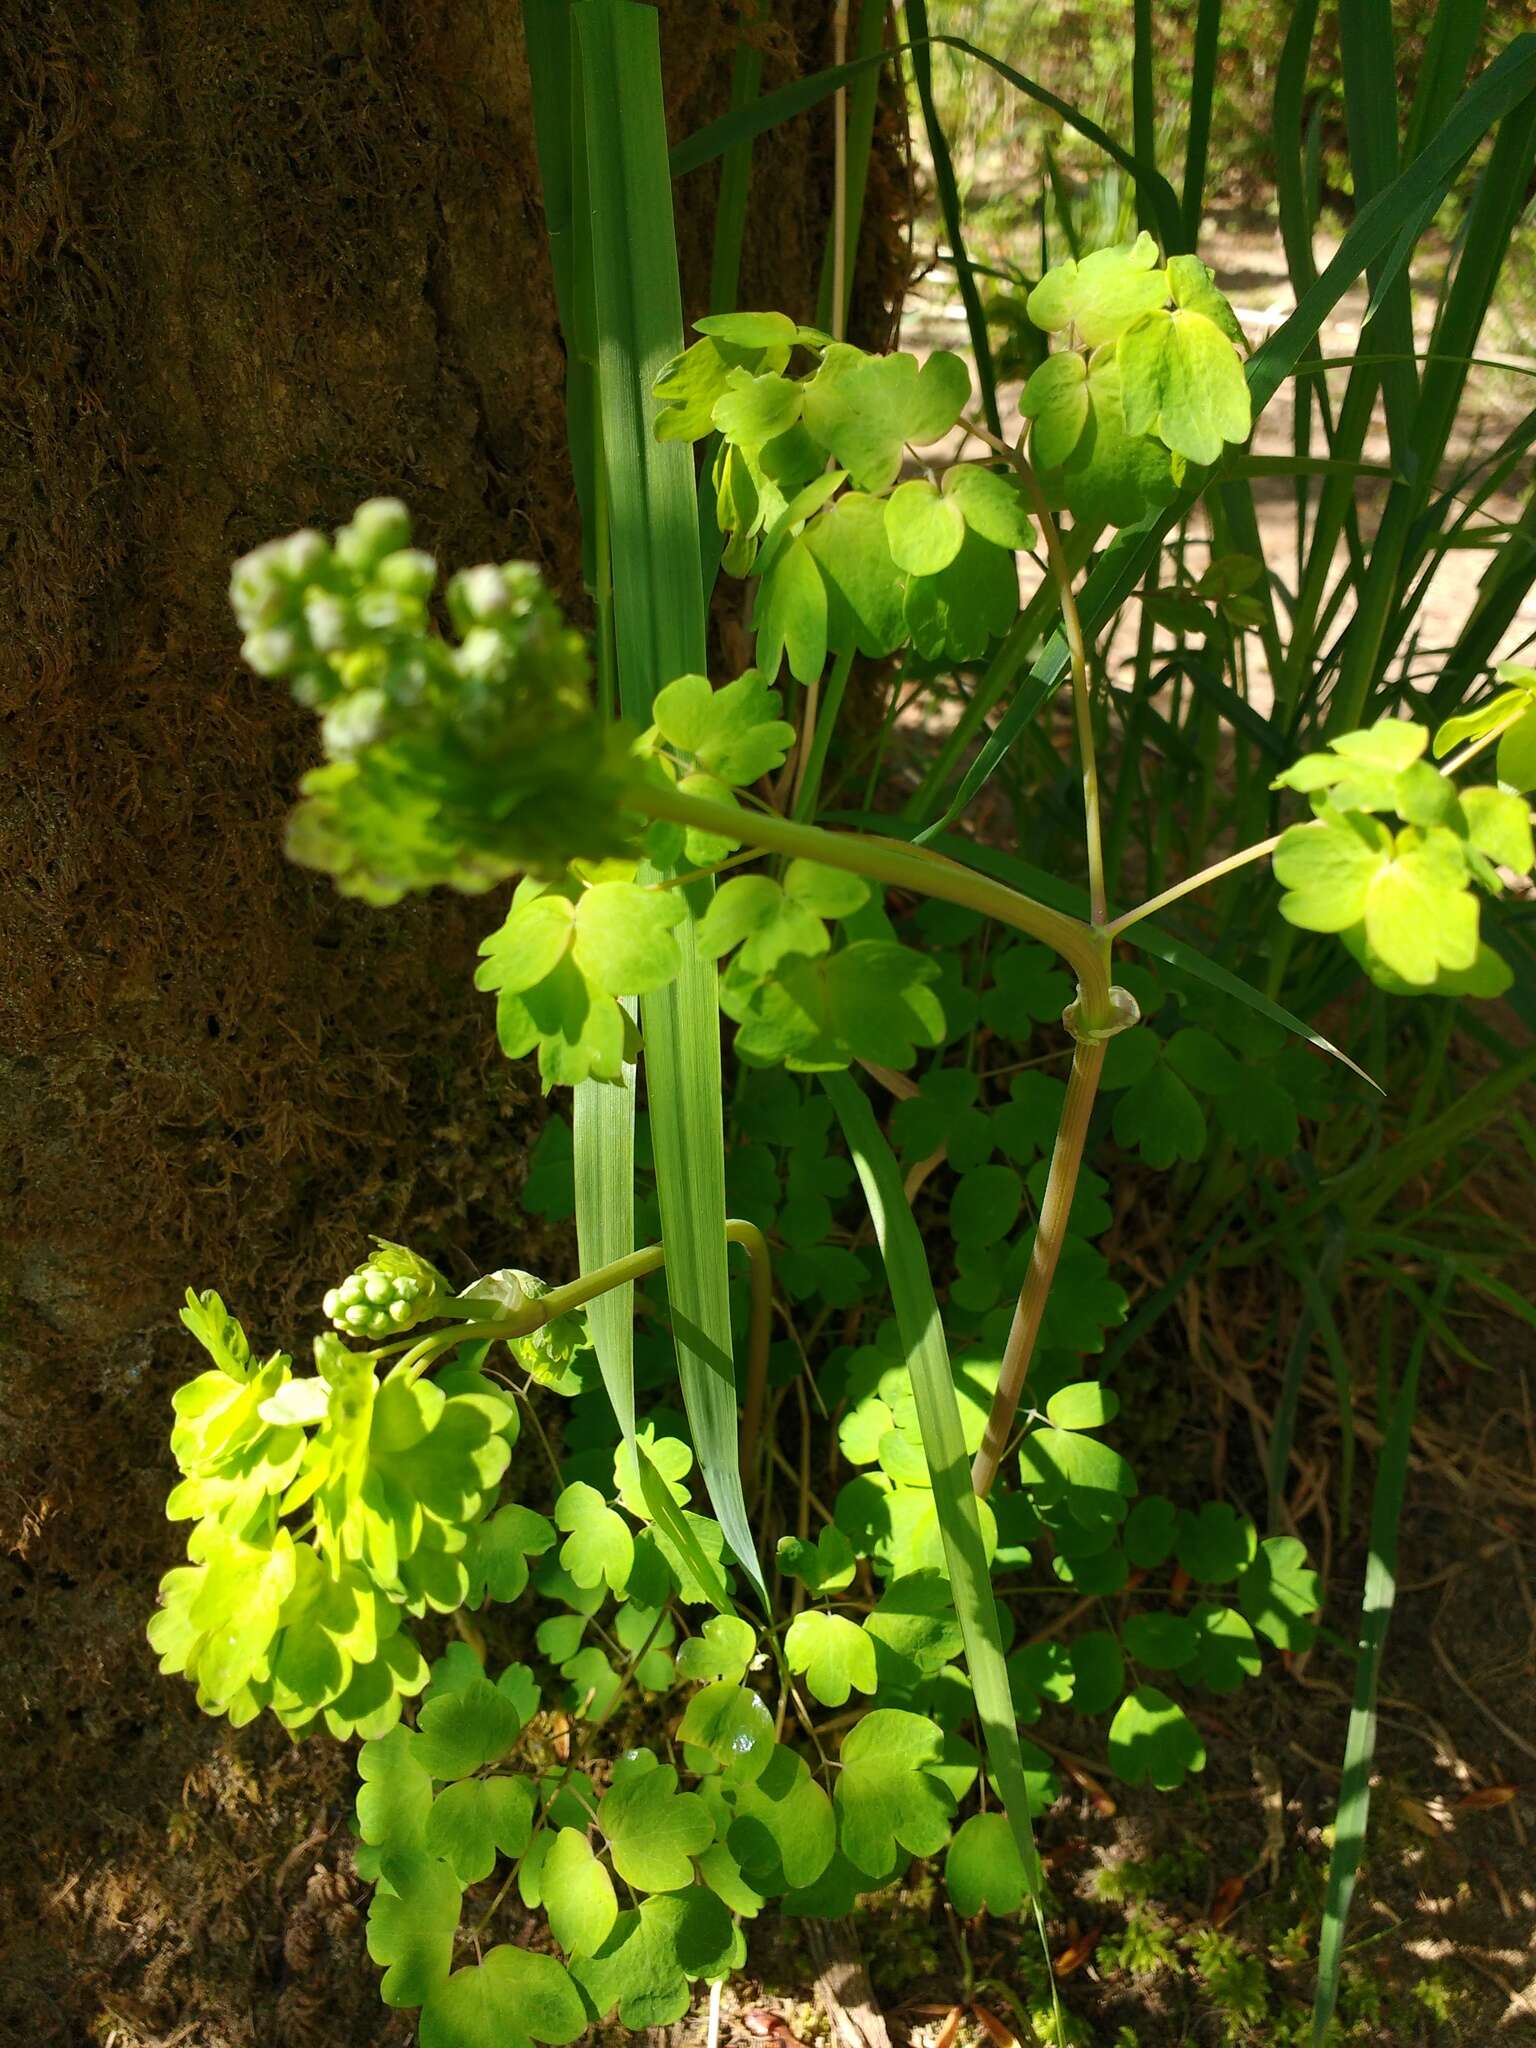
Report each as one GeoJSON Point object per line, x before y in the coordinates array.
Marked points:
{"type": "Point", "coordinates": [790, 614]}
{"type": "Point", "coordinates": [915, 1628]}
{"type": "Point", "coordinates": [599, 1548]}
{"type": "Point", "coordinates": [865, 409]}
{"type": "Point", "coordinates": [983, 1870]}
{"type": "Point", "coordinates": [1327, 868]}
{"type": "Point", "coordinates": [474, 1819]}
{"type": "Point", "coordinates": [1163, 1642]}
{"type": "Point", "coordinates": [848, 545]}
{"type": "Point", "coordinates": [1078, 1474]}
{"type": "Point", "coordinates": [670, 1459]}
{"type": "Point", "coordinates": [734, 732]}
{"type": "Point", "coordinates": [512, 1998]}
{"type": "Point", "coordinates": [577, 1893]}
{"type": "Point", "coordinates": [459, 1732]}
{"type": "Point", "coordinates": [1098, 1672]}
{"type": "Point", "coordinates": [654, 1831]}
{"type": "Point", "coordinates": [1148, 1534]}
{"type": "Point", "coordinates": [1216, 1544]}
{"type": "Point", "coordinates": [1056, 399]}
{"type": "Point", "coordinates": [411, 1925]}
{"type": "Point", "coordinates": [756, 914]}
{"type": "Point", "coordinates": [395, 1797]}
{"type": "Point", "coordinates": [1158, 1117]}
{"type": "Point", "coordinates": [1516, 757]}
{"type": "Point", "coordinates": [1420, 916]}
{"type": "Point", "coordinates": [723, 1649]}
{"type": "Point", "coordinates": [1278, 1593]}
{"type": "Point", "coordinates": [752, 411]}
{"type": "Point", "coordinates": [1108, 476]}
{"type": "Point", "coordinates": [1028, 987]}
{"type": "Point", "coordinates": [1102, 294]}
{"type": "Point", "coordinates": [499, 1550]}
{"type": "Point", "coordinates": [985, 1205]}
{"type": "Point", "coordinates": [623, 941]}
{"type": "Point", "coordinates": [1193, 286]}
{"type": "Point", "coordinates": [693, 383]}
{"type": "Point", "coordinates": [1499, 826]}
{"type": "Point", "coordinates": [825, 1566]}
{"type": "Point", "coordinates": [650, 1960]}
{"type": "Point", "coordinates": [923, 528]}
{"type": "Point", "coordinates": [733, 1726]}
{"type": "Point", "coordinates": [1182, 380]}
{"type": "Point", "coordinates": [783, 1832]}
{"type": "Point", "coordinates": [725, 1878]}
{"type": "Point", "coordinates": [964, 607]}
{"type": "Point", "coordinates": [1153, 1741]}
{"type": "Point", "coordinates": [870, 1000]}
{"type": "Point", "coordinates": [834, 1653]}
{"type": "Point", "coordinates": [991, 502]}
{"type": "Point", "coordinates": [1225, 1650]}
{"type": "Point", "coordinates": [1085, 1404]}
{"type": "Point", "coordinates": [885, 1796]}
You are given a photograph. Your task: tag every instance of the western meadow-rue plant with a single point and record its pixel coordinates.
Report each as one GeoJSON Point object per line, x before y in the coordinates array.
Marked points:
{"type": "Point", "coordinates": [808, 1732]}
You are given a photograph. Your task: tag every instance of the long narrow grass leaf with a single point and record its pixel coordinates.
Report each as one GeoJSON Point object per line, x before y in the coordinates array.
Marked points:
{"type": "Point", "coordinates": [660, 627]}
{"type": "Point", "coordinates": [603, 1118]}
{"type": "Point", "coordinates": [1360, 1742]}
{"type": "Point", "coordinates": [706, 143]}
{"type": "Point", "coordinates": [863, 104]}
{"type": "Point", "coordinates": [949, 208]}
{"type": "Point", "coordinates": [1202, 100]}
{"type": "Point", "coordinates": [949, 1467]}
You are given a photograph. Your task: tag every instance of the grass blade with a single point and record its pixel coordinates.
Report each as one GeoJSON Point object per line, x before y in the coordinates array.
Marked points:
{"type": "Point", "coordinates": [1144, 107]}
{"type": "Point", "coordinates": [603, 1117]}
{"type": "Point", "coordinates": [1360, 1743]}
{"type": "Point", "coordinates": [660, 632]}
{"type": "Point", "coordinates": [1507, 81]}
{"type": "Point", "coordinates": [1202, 99]}
{"type": "Point", "coordinates": [712, 140]}
{"type": "Point", "coordinates": [863, 103]}
{"type": "Point", "coordinates": [735, 188]}
{"type": "Point", "coordinates": [603, 1121]}
{"type": "Point", "coordinates": [950, 210]}
{"type": "Point", "coordinates": [949, 1468]}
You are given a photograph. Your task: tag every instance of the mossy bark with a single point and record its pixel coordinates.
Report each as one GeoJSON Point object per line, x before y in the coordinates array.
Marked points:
{"type": "Point", "coordinates": [261, 261]}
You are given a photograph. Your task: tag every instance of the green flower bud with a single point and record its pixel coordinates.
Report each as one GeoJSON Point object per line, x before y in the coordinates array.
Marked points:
{"type": "Point", "coordinates": [390, 1292]}
{"type": "Point", "coordinates": [379, 527]}
{"type": "Point", "coordinates": [272, 652]}
{"type": "Point", "coordinates": [409, 571]}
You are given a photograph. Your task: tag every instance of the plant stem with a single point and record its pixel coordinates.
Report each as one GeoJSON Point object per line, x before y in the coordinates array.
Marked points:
{"type": "Point", "coordinates": [1072, 627]}
{"type": "Point", "coordinates": [1188, 886]}
{"type": "Point", "coordinates": [900, 867]}
{"type": "Point", "coordinates": [1486, 739]}
{"type": "Point", "coordinates": [544, 1308]}
{"type": "Point", "coordinates": [1055, 1212]}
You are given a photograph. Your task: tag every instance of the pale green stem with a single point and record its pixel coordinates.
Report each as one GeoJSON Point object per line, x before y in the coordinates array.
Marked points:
{"type": "Point", "coordinates": [901, 867]}
{"type": "Point", "coordinates": [1486, 739]}
{"type": "Point", "coordinates": [545, 1308]}
{"type": "Point", "coordinates": [1072, 628]}
{"type": "Point", "coordinates": [1211, 874]}
{"type": "Point", "coordinates": [1055, 1212]}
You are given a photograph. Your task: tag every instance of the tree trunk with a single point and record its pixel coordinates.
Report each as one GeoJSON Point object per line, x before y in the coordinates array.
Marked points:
{"type": "Point", "coordinates": [261, 261]}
